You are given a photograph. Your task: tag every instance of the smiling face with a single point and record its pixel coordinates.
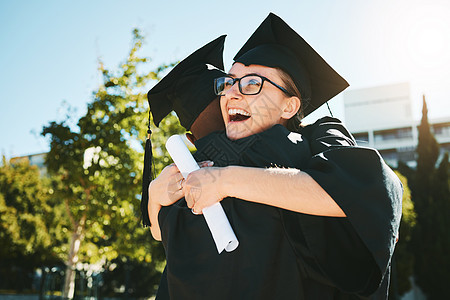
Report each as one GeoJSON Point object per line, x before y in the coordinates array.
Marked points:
{"type": "Point", "coordinates": [245, 115]}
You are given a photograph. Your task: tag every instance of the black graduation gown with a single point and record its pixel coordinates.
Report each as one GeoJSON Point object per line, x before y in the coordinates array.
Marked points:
{"type": "Point", "coordinates": [331, 258]}
{"type": "Point", "coordinates": [369, 193]}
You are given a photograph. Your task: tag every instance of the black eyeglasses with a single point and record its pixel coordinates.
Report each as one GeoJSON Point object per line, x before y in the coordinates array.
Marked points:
{"type": "Point", "coordinates": [248, 85]}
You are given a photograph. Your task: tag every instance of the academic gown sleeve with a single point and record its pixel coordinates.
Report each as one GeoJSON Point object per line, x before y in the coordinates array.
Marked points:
{"type": "Point", "coordinates": [352, 253]}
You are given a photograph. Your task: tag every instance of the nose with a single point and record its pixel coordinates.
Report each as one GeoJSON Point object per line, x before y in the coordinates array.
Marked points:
{"type": "Point", "coordinates": [233, 92]}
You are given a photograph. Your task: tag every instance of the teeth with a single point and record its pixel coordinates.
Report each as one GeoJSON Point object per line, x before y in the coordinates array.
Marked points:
{"type": "Point", "coordinates": [235, 111]}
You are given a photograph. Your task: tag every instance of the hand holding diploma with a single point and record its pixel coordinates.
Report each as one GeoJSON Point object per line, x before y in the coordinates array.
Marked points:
{"type": "Point", "coordinates": [215, 217]}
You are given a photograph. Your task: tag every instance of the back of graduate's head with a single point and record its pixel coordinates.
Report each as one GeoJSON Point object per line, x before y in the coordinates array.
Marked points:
{"type": "Point", "coordinates": [305, 73]}
{"type": "Point", "coordinates": [209, 120]}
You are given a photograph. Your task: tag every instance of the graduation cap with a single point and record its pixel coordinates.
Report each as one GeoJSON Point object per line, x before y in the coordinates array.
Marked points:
{"type": "Point", "coordinates": [274, 44]}
{"type": "Point", "coordinates": [187, 89]}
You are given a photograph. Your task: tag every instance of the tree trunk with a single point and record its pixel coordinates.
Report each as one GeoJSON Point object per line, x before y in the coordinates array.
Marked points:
{"type": "Point", "coordinates": [72, 259]}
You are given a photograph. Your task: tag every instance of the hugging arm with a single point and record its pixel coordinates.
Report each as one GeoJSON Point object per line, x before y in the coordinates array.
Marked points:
{"type": "Point", "coordinates": [164, 190]}
{"type": "Point", "coordinates": [289, 189]}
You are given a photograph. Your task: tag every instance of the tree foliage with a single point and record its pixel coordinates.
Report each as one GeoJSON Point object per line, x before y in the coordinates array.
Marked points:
{"type": "Point", "coordinates": [27, 224]}
{"type": "Point", "coordinates": [431, 197]}
{"type": "Point", "coordinates": [99, 163]}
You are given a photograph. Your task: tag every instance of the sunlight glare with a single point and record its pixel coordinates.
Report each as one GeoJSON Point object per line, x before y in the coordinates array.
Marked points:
{"type": "Point", "coordinates": [428, 43]}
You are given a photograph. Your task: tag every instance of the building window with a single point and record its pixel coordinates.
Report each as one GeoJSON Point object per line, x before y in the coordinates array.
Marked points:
{"type": "Point", "coordinates": [361, 137]}
{"type": "Point", "coordinates": [393, 134]}
{"type": "Point", "coordinates": [393, 156]}
{"type": "Point", "coordinates": [406, 156]}
{"type": "Point", "coordinates": [445, 148]}
{"type": "Point", "coordinates": [441, 130]}
{"type": "Point", "coordinates": [389, 154]}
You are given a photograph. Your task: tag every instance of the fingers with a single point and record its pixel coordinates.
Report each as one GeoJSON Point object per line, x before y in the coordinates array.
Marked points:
{"type": "Point", "coordinates": [177, 195]}
{"type": "Point", "coordinates": [200, 188]}
{"type": "Point", "coordinates": [181, 183]}
{"type": "Point", "coordinates": [191, 200]}
{"type": "Point", "coordinates": [192, 192]}
{"type": "Point", "coordinates": [173, 194]}
{"type": "Point", "coordinates": [192, 188]}
{"type": "Point", "coordinates": [195, 213]}
{"type": "Point", "coordinates": [168, 186]}
{"type": "Point", "coordinates": [179, 179]}
{"type": "Point", "coordinates": [171, 169]}
{"type": "Point", "coordinates": [206, 163]}
{"type": "Point", "coordinates": [174, 179]}
{"type": "Point", "coordinates": [187, 189]}
{"type": "Point", "coordinates": [175, 185]}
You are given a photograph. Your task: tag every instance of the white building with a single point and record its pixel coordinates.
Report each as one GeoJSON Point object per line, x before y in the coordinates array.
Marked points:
{"type": "Point", "coordinates": [33, 159]}
{"type": "Point", "coordinates": [381, 118]}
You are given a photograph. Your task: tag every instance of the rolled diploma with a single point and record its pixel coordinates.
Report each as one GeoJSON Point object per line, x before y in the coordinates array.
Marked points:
{"type": "Point", "coordinates": [215, 217]}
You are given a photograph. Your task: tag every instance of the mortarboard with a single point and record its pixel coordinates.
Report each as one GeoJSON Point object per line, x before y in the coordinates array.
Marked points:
{"type": "Point", "coordinates": [187, 89]}
{"type": "Point", "coordinates": [274, 44]}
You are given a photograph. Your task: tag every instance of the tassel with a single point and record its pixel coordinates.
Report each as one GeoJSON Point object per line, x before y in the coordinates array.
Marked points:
{"type": "Point", "coordinates": [146, 178]}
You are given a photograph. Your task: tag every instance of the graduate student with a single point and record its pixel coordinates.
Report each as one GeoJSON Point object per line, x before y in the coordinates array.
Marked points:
{"type": "Point", "coordinates": [187, 90]}
{"type": "Point", "coordinates": [324, 228]}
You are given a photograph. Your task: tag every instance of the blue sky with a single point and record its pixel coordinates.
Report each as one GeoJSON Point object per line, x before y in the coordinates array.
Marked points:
{"type": "Point", "coordinates": [49, 49]}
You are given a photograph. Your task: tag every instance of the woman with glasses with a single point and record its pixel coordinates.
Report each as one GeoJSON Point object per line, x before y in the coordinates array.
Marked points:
{"type": "Point", "coordinates": [252, 103]}
{"type": "Point", "coordinates": [325, 229]}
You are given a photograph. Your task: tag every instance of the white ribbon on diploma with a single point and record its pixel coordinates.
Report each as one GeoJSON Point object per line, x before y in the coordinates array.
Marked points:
{"type": "Point", "coordinates": [215, 217]}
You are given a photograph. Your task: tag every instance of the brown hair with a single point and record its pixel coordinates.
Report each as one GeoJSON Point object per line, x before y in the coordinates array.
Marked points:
{"type": "Point", "coordinates": [294, 123]}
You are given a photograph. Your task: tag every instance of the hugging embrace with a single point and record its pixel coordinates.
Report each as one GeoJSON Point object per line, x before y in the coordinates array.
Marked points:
{"type": "Point", "coordinates": [316, 215]}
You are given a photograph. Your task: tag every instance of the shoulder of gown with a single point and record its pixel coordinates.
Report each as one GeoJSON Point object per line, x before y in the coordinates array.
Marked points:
{"type": "Point", "coordinates": [369, 193]}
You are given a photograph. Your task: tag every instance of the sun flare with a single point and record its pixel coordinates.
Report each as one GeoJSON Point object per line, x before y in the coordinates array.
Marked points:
{"type": "Point", "coordinates": [428, 42]}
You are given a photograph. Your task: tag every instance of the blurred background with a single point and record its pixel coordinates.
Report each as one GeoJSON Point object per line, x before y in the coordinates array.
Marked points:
{"type": "Point", "coordinates": [74, 115]}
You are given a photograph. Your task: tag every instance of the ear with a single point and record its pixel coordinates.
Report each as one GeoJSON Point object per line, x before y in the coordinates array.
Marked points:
{"type": "Point", "coordinates": [191, 137]}
{"type": "Point", "coordinates": [291, 107]}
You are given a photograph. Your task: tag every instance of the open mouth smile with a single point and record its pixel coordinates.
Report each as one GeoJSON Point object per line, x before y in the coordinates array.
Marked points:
{"type": "Point", "coordinates": [238, 115]}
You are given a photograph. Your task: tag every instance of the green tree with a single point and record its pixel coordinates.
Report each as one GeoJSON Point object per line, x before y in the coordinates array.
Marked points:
{"type": "Point", "coordinates": [442, 189]}
{"type": "Point", "coordinates": [26, 222]}
{"type": "Point", "coordinates": [99, 162]}
{"type": "Point", "coordinates": [431, 238]}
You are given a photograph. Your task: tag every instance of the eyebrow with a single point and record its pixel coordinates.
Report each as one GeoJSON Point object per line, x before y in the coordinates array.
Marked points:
{"type": "Point", "coordinates": [233, 75]}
